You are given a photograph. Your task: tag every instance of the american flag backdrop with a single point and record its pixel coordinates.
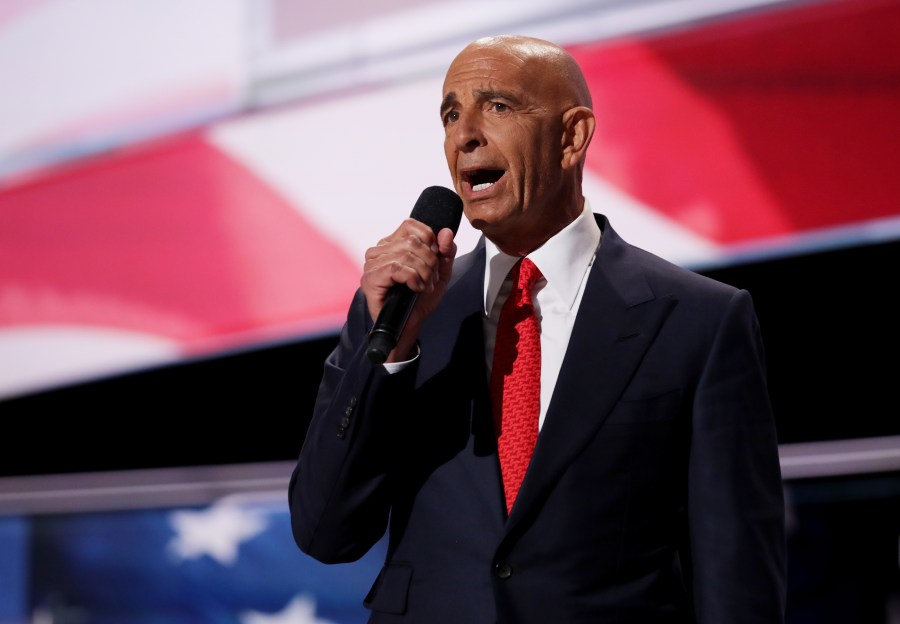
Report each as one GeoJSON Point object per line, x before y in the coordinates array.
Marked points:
{"type": "Point", "coordinates": [208, 177]}
{"type": "Point", "coordinates": [230, 562]}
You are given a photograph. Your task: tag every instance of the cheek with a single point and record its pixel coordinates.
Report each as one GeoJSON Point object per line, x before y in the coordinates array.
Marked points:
{"type": "Point", "coordinates": [450, 154]}
{"type": "Point", "coordinates": [525, 151]}
{"type": "Point", "coordinates": [546, 159]}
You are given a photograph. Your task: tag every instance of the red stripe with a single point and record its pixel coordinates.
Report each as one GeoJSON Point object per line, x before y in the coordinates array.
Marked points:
{"type": "Point", "coordinates": [173, 239]}
{"type": "Point", "coordinates": [784, 121]}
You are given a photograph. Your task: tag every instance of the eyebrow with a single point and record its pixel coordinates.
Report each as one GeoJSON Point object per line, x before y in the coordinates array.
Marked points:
{"type": "Point", "coordinates": [481, 95]}
{"type": "Point", "coordinates": [448, 102]}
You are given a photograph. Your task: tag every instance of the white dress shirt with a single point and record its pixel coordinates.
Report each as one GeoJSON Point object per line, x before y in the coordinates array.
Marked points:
{"type": "Point", "coordinates": [564, 261]}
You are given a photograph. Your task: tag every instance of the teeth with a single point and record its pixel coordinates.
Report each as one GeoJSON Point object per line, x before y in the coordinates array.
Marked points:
{"type": "Point", "coordinates": [482, 186]}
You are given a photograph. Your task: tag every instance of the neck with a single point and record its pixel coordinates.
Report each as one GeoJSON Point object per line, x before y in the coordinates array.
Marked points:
{"type": "Point", "coordinates": [530, 236]}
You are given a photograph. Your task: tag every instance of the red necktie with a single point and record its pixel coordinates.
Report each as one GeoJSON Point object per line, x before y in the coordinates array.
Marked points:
{"type": "Point", "coordinates": [516, 379]}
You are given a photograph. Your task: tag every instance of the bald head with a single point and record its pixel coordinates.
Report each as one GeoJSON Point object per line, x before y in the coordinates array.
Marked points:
{"type": "Point", "coordinates": [517, 118]}
{"type": "Point", "coordinates": [548, 61]}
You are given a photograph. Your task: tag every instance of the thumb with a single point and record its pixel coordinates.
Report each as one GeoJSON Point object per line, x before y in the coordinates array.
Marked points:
{"type": "Point", "coordinates": [447, 253]}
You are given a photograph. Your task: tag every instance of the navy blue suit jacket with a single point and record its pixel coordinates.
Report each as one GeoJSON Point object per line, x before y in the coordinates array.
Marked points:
{"type": "Point", "coordinates": [654, 494]}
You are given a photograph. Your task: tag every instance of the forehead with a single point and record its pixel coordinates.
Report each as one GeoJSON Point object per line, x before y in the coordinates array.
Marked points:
{"type": "Point", "coordinates": [479, 68]}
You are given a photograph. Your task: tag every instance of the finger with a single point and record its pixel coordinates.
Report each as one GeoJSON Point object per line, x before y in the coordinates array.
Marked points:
{"type": "Point", "coordinates": [446, 242]}
{"type": "Point", "coordinates": [410, 233]}
{"type": "Point", "coordinates": [407, 262]}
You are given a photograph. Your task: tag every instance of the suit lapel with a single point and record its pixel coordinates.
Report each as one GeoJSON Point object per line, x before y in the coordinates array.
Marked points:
{"type": "Point", "coordinates": [618, 319]}
{"type": "Point", "coordinates": [453, 327]}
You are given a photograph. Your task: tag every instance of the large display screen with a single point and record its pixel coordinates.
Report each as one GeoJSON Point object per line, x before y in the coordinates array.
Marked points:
{"type": "Point", "coordinates": [188, 180]}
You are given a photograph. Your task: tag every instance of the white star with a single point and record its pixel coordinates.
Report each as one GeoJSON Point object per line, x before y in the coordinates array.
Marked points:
{"type": "Point", "coordinates": [300, 610]}
{"type": "Point", "coordinates": [217, 531]}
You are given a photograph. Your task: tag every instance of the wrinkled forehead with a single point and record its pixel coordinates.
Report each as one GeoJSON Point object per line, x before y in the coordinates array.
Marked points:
{"type": "Point", "coordinates": [483, 67]}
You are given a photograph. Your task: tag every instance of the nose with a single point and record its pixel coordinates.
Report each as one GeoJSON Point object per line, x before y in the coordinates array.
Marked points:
{"type": "Point", "coordinates": [467, 133]}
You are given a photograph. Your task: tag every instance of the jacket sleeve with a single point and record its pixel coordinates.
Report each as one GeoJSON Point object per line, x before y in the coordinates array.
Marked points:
{"type": "Point", "coordinates": [339, 492]}
{"type": "Point", "coordinates": [736, 515]}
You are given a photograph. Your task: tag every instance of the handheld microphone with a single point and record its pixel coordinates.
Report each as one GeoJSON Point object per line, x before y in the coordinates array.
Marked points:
{"type": "Point", "coordinates": [437, 207]}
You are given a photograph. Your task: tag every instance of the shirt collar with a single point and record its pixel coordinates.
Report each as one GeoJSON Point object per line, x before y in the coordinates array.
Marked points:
{"type": "Point", "coordinates": [562, 260]}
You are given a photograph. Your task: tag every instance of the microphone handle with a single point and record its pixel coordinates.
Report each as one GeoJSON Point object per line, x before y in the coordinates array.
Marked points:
{"type": "Point", "coordinates": [383, 337]}
{"type": "Point", "coordinates": [437, 207]}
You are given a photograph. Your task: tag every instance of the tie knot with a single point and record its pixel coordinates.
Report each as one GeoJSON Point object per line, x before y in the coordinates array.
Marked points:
{"type": "Point", "coordinates": [528, 275]}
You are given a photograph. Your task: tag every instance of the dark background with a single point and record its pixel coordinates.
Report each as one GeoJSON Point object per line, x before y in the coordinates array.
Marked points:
{"type": "Point", "coordinates": [829, 320]}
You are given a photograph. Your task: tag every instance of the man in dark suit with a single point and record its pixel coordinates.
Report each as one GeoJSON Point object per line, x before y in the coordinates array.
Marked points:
{"type": "Point", "coordinates": [653, 494]}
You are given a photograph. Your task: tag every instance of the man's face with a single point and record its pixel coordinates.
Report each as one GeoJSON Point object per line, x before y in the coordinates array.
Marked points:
{"type": "Point", "coordinates": [503, 142]}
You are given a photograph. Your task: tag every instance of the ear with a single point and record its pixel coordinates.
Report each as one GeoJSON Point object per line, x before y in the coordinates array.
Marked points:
{"type": "Point", "coordinates": [578, 129]}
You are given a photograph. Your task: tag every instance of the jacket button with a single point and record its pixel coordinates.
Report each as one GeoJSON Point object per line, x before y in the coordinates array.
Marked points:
{"type": "Point", "coordinates": [503, 570]}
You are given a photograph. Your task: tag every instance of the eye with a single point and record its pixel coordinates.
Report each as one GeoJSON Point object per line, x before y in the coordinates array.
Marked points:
{"type": "Point", "coordinates": [451, 117]}
{"type": "Point", "coordinates": [499, 107]}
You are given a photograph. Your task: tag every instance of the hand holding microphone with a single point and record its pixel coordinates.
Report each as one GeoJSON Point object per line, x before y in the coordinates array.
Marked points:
{"type": "Point", "coordinates": [401, 256]}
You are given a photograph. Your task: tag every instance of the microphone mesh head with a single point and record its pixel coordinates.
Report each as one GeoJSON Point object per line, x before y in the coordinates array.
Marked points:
{"type": "Point", "coordinates": [438, 207]}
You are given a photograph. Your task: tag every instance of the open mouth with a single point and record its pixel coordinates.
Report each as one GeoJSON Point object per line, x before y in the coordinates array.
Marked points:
{"type": "Point", "coordinates": [481, 179]}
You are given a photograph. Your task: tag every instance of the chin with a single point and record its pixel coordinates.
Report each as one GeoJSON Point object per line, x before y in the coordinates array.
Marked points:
{"type": "Point", "coordinates": [484, 212]}
{"type": "Point", "coordinates": [479, 218]}
{"type": "Point", "coordinates": [478, 224]}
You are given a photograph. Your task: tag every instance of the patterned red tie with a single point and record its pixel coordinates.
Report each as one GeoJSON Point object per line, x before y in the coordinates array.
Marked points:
{"type": "Point", "coordinates": [516, 379]}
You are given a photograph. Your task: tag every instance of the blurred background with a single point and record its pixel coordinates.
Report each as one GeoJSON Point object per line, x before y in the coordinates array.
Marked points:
{"type": "Point", "coordinates": [186, 192]}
